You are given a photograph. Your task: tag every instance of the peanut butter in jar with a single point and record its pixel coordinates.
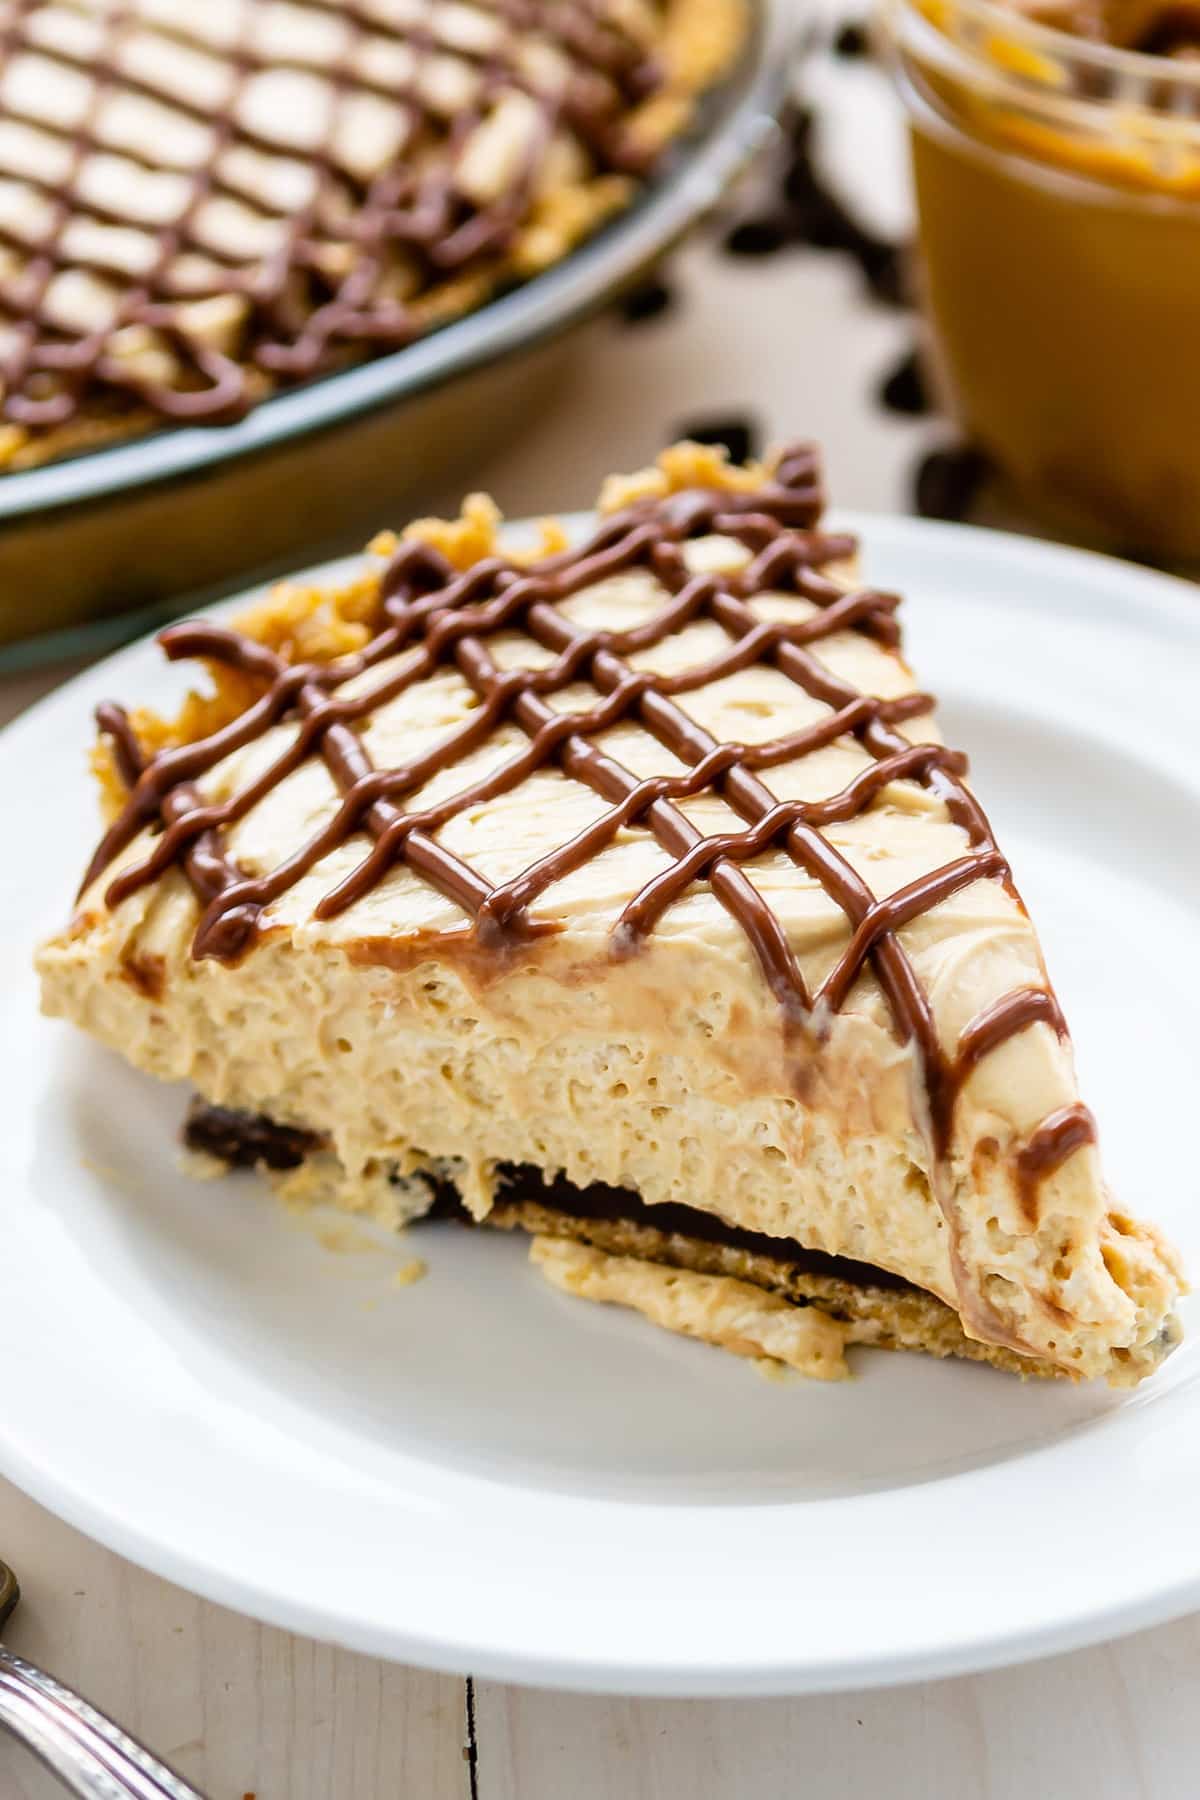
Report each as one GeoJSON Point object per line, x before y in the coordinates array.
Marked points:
{"type": "Point", "coordinates": [1058, 191]}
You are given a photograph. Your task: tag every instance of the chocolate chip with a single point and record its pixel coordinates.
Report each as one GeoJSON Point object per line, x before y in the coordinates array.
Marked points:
{"type": "Point", "coordinates": [646, 301]}
{"type": "Point", "coordinates": [903, 390]}
{"type": "Point", "coordinates": [947, 481]}
{"type": "Point", "coordinates": [817, 217]}
{"type": "Point", "coordinates": [852, 40]}
{"type": "Point", "coordinates": [759, 237]}
{"type": "Point", "coordinates": [740, 436]}
{"type": "Point", "coordinates": [884, 268]}
{"type": "Point", "coordinates": [803, 209]}
{"type": "Point", "coordinates": [798, 125]}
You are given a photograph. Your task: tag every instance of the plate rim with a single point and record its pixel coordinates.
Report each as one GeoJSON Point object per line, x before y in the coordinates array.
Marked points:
{"type": "Point", "coordinates": [1177, 602]}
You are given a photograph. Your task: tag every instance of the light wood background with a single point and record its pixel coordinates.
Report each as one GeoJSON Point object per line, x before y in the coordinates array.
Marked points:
{"type": "Point", "coordinates": [246, 1710]}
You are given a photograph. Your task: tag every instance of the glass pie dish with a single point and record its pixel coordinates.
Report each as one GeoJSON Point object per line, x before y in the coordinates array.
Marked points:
{"type": "Point", "coordinates": [148, 524]}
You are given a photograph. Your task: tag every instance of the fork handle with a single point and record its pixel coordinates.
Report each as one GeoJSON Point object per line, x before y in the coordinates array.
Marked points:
{"type": "Point", "coordinates": [90, 1754]}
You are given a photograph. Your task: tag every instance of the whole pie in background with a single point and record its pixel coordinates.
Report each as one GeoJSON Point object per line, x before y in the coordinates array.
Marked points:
{"type": "Point", "coordinates": [200, 203]}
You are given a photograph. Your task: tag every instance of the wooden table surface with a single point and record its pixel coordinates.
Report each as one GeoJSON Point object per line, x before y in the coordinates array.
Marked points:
{"type": "Point", "coordinates": [243, 1709]}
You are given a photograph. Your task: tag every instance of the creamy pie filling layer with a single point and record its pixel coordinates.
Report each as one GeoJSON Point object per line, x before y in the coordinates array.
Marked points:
{"type": "Point", "coordinates": [638, 862]}
{"type": "Point", "coordinates": [202, 202]}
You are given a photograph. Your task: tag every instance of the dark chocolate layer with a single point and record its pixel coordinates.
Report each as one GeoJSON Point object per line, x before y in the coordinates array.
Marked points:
{"type": "Point", "coordinates": [244, 1139]}
{"type": "Point", "coordinates": [522, 1182]}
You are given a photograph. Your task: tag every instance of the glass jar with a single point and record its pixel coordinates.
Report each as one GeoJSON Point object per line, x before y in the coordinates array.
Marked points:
{"type": "Point", "coordinates": [1058, 194]}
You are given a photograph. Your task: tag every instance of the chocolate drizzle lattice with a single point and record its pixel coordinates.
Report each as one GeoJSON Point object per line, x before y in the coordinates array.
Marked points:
{"type": "Point", "coordinates": [196, 206]}
{"type": "Point", "coordinates": [442, 618]}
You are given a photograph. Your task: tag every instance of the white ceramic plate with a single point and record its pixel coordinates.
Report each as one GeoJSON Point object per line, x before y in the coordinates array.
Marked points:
{"type": "Point", "coordinates": [476, 1473]}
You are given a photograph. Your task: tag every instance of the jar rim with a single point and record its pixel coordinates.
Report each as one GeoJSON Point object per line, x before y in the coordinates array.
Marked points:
{"type": "Point", "coordinates": [1142, 108]}
{"type": "Point", "coordinates": [1162, 78]}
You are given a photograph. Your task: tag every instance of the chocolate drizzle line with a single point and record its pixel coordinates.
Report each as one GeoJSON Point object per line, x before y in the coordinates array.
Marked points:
{"type": "Point", "coordinates": [302, 318]}
{"type": "Point", "coordinates": [434, 617]}
{"type": "Point", "coordinates": [1059, 1137]}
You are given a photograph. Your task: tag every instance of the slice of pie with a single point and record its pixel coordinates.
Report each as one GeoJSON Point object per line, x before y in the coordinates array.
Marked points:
{"type": "Point", "coordinates": [202, 200]}
{"type": "Point", "coordinates": [625, 893]}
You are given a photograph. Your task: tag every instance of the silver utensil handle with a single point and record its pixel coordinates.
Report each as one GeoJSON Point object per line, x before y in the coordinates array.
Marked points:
{"type": "Point", "coordinates": [90, 1755]}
